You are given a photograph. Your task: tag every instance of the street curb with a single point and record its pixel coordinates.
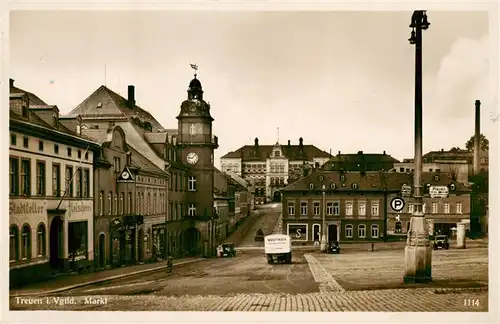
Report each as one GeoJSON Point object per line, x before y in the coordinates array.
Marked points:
{"type": "Point", "coordinates": [88, 283]}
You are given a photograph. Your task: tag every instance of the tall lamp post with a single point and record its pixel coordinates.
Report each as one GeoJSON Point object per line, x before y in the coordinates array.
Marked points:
{"type": "Point", "coordinates": [323, 233]}
{"type": "Point", "coordinates": [418, 252]}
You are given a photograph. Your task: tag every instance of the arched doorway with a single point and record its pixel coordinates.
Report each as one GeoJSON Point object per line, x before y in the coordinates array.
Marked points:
{"type": "Point", "coordinates": [56, 241]}
{"type": "Point", "coordinates": [316, 233]}
{"type": "Point", "coordinates": [140, 246]}
{"type": "Point", "coordinates": [102, 250]}
{"type": "Point", "coordinates": [191, 241]}
{"type": "Point", "coordinates": [277, 196]}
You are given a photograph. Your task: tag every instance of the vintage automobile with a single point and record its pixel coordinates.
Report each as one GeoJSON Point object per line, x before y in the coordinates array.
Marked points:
{"type": "Point", "coordinates": [333, 247]}
{"type": "Point", "coordinates": [440, 242]}
{"type": "Point", "coordinates": [226, 250]}
{"type": "Point", "coordinates": [259, 236]}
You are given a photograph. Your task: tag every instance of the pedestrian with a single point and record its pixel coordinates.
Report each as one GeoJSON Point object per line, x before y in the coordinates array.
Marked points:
{"type": "Point", "coordinates": [169, 264]}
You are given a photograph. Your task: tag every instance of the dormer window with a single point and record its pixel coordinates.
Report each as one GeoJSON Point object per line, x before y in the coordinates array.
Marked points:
{"type": "Point", "coordinates": [332, 185]}
{"type": "Point", "coordinates": [321, 178]}
{"type": "Point", "coordinates": [453, 187]}
{"type": "Point", "coordinates": [311, 186]}
{"type": "Point", "coordinates": [354, 186]}
{"type": "Point", "coordinates": [277, 154]}
{"type": "Point", "coordinates": [436, 177]}
{"type": "Point", "coordinates": [25, 112]}
{"type": "Point", "coordinates": [342, 178]}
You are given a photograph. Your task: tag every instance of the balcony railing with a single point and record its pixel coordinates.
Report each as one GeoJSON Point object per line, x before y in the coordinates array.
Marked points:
{"type": "Point", "coordinates": [199, 139]}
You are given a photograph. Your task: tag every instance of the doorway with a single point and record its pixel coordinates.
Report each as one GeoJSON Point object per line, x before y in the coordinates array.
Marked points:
{"type": "Point", "coordinates": [140, 246]}
{"type": "Point", "coordinates": [56, 239]}
{"type": "Point", "coordinates": [277, 196]}
{"type": "Point", "coordinates": [332, 233]}
{"type": "Point", "coordinates": [102, 250]}
{"type": "Point", "coordinates": [316, 233]}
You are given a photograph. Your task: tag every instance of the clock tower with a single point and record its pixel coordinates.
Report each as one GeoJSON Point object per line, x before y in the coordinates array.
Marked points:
{"type": "Point", "coordinates": [197, 152]}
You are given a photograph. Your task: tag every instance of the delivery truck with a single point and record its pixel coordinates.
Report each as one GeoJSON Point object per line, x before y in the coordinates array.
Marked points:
{"type": "Point", "coordinates": [278, 247]}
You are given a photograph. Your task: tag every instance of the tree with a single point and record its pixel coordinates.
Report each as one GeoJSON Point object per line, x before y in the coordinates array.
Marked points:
{"type": "Point", "coordinates": [483, 143]}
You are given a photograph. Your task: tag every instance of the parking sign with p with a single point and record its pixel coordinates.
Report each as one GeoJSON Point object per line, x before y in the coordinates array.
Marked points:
{"type": "Point", "coordinates": [397, 204]}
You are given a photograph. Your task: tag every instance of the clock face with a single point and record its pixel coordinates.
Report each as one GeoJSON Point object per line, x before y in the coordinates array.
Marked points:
{"type": "Point", "coordinates": [192, 158]}
{"type": "Point", "coordinates": [125, 175]}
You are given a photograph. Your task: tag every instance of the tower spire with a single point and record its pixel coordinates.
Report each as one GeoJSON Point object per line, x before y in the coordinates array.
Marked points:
{"type": "Point", "coordinates": [278, 135]}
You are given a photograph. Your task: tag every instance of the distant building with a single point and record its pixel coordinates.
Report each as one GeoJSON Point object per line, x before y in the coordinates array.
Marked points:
{"type": "Point", "coordinates": [360, 162]}
{"type": "Point", "coordinates": [456, 163]}
{"type": "Point", "coordinates": [357, 205]}
{"type": "Point", "coordinates": [50, 191]}
{"type": "Point", "coordinates": [268, 167]}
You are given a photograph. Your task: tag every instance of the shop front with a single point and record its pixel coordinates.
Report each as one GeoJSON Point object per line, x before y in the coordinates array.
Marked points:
{"type": "Point", "coordinates": [158, 240]}
{"type": "Point", "coordinates": [79, 241]}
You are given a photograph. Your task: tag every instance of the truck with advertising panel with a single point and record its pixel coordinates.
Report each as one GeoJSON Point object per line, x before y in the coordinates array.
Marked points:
{"type": "Point", "coordinates": [278, 247]}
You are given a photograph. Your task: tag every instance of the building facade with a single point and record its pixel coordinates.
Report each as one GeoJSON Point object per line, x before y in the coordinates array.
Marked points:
{"type": "Point", "coordinates": [356, 205]}
{"type": "Point", "coordinates": [268, 167]}
{"type": "Point", "coordinates": [186, 153]}
{"type": "Point", "coordinates": [50, 191]}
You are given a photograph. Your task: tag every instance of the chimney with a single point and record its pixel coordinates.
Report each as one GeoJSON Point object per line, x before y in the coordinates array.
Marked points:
{"type": "Point", "coordinates": [477, 133]}
{"type": "Point", "coordinates": [131, 95]}
{"type": "Point", "coordinates": [11, 82]}
{"type": "Point", "coordinates": [256, 141]}
{"type": "Point", "coordinates": [360, 152]}
{"type": "Point", "coordinates": [339, 152]}
{"type": "Point", "coordinates": [301, 141]}
{"type": "Point", "coordinates": [384, 152]}
{"type": "Point", "coordinates": [288, 142]}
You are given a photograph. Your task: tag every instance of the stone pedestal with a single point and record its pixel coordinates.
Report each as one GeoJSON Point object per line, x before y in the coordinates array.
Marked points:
{"type": "Point", "coordinates": [461, 236]}
{"type": "Point", "coordinates": [418, 252]}
{"type": "Point", "coordinates": [323, 242]}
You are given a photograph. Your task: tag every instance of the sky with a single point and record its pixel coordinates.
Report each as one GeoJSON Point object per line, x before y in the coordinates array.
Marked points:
{"type": "Point", "coordinates": [343, 81]}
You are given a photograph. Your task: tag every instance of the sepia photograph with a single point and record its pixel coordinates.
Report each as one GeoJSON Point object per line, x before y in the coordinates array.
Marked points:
{"type": "Point", "coordinates": [250, 161]}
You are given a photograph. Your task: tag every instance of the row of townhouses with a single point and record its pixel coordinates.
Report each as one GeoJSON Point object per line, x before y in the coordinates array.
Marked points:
{"type": "Point", "coordinates": [356, 205]}
{"type": "Point", "coordinates": [107, 185]}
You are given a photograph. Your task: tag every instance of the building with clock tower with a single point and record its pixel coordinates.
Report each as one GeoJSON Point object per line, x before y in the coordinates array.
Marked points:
{"type": "Point", "coordinates": [197, 151]}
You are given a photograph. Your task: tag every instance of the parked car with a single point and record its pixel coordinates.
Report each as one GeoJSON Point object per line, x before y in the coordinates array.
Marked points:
{"type": "Point", "coordinates": [333, 247]}
{"type": "Point", "coordinates": [226, 250]}
{"type": "Point", "coordinates": [441, 242]}
{"type": "Point", "coordinates": [259, 236]}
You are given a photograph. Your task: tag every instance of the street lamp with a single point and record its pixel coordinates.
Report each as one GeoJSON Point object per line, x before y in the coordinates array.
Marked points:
{"type": "Point", "coordinates": [323, 233]}
{"type": "Point", "coordinates": [418, 253]}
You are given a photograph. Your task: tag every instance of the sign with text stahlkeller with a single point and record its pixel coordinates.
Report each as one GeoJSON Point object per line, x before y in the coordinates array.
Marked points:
{"type": "Point", "coordinates": [298, 232]}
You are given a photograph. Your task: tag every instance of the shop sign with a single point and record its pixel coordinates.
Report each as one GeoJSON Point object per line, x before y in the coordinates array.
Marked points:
{"type": "Point", "coordinates": [438, 192]}
{"type": "Point", "coordinates": [77, 208]}
{"type": "Point", "coordinates": [298, 232]}
{"type": "Point", "coordinates": [27, 207]}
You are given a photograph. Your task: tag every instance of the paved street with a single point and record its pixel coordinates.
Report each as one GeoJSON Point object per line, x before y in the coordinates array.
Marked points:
{"type": "Point", "coordinates": [265, 220]}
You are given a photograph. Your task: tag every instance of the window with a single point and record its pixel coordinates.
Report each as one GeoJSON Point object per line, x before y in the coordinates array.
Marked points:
{"type": "Point", "coordinates": [69, 181]}
{"type": "Point", "coordinates": [459, 208]}
{"type": "Point", "coordinates": [40, 145]}
{"type": "Point", "coordinates": [354, 186]}
{"type": "Point", "coordinates": [192, 183]}
{"type": "Point", "coordinates": [137, 203]}
{"type": "Point", "coordinates": [86, 155]}
{"type": "Point", "coordinates": [401, 169]}
{"type": "Point", "coordinates": [398, 227]}
{"type": "Point", "coordinates": [110, 203]}
{"type": "Point", "coordinates": [348, 231]}
{"type": "Point", "coordinates": [14, 243]}
{"type": "Point", "coordinates": [101, 202]}
{"type": "Point", "coordinates": [434, 208]}
{"type": "Point", "coordinates": [25, 142]}
{"type": "Point", "coordinates": [86, 183]}
{"type": "Point", "coordinates": [362, 208]}
{"type": "Point", "coordinates": [14, 176]}
{"type": "Point", "coordinates": [148, 204]}
{"type": "Point", "coordinates": [122, 202]}
{"type": "Point", "coordinates": [78, 182]}
{"type": "Point", "coordinates": [26, 177]}
{"type": "Point", "coordinates": [176, 181]}
{"type": "Point", "coordinates": [361, 231]}
{"type": "Point", "coordinates": [115, 205]}
{"type": "Point", "coordinates": [77, 240]}
{"type": "Point", "coordinates": [329, 208]}
{"type": "Point", "coordinates": [181, 184]}
{"type": "Point", "coordinates": [56, 180]}
{"type": "Point", "coordinates": [116, 164]}
{"type": "Point", "coordinates": [291, 208]}
{"type": "Point", "coordinates": [79, 154]}
{"type": "Point", "coordinates": [129, 203]}
{"type": "Point", "coordinates": [40, 178]}
{"type": "Point", "coordinates": [69, 151]}
{"type": "Point", "coordinates": [348, 208]}
{"type": "Point", "coordinates": [303, 208]}
{"type": "Point", "coordinates": [375, 209]}
{"type": "Point", "coordinates": [446, 208]}
{"type": "Point", "coordinates": [40, 240]}
{"type": "Point", "coordinates": [311, 186]}
{"type": "Point", "coordinates": [181, 210]}
{"type": "Point", "coordinates": [410, 208]}
{"type": "Point", "coordinates": [154, 204]}
{"type": "Point", "coordinates": [191, 210]}
{"type": "Point", "coordinates": [336, 208]}
{"type": "Point", "coordinates": [374, 231]}
{"type": "Point", "coordinates": [26, 243]}
{"type": "Point", "coordinates": [342, 178]}
{"type": "Point", "coordinates": [56, 149]}
{"type": "Point", "coordinates": [316, 208]}
{"type": "Point", "coordinates": [192, 129]}
{"type": "Point", "coordinates": [13, 139]}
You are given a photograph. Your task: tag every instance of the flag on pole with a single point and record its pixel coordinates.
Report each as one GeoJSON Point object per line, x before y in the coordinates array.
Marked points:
{"type": "Point", "coordinates": [194, 67]}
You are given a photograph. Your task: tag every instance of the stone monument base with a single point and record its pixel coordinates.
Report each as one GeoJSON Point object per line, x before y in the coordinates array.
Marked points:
{"type": "Point", "coordinates": [418, 266]}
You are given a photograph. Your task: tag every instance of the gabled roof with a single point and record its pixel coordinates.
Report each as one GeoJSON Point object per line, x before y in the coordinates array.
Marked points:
{"type": "Point", "coordinates": [140, 161]}
{"type": "Point", "coordinates": [33, 99]}
{"type": "Point", "coordinates": [262, 152]}
{"type": "Point", "coordinates": [110, 101]}
{"type": "Point", "coordinates": [368, 181]}
{"type": "Point", "coordinates": [360, 161]}
{"type": "Point", "coordinates": [453, 154]}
